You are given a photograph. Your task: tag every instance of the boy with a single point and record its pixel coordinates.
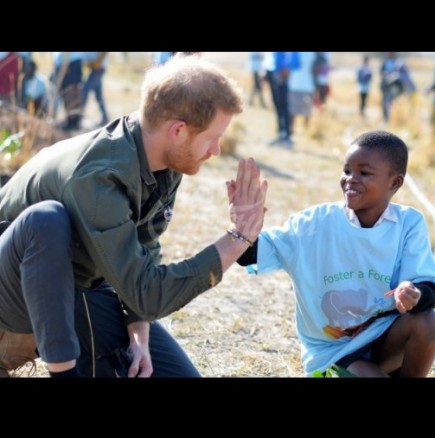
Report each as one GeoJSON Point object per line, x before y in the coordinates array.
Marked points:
{"type": "Point", "coordinates": [362, 269]}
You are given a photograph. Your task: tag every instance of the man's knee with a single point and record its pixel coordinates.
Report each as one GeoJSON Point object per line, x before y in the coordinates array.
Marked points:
{"type": "Point", "coordinates": [49, 218]}
{"type": "Point", "coordinates": [48, 212]}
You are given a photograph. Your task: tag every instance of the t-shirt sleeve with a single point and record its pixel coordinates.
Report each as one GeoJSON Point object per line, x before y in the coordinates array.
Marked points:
{"type": "Point", "coordinates": [416, 263]}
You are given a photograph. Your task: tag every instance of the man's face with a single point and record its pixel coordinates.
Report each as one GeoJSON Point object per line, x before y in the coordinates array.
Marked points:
{"type": "Point", "coordinates": [190, 155]}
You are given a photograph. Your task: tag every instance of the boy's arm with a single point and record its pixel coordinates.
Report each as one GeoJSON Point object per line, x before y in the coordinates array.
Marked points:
{"type": "Point", "coordinates": [249, 257]}
{"type": "Point", "coordinates": [427, 298]}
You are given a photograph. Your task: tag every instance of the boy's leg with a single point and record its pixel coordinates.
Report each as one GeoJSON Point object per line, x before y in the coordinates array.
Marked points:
{"type": "Point", "coordinates": [409, 345]}
{"type": "Point", "coordinates": [103, 335]}
{"type": "Point", "coordinates": [359, 364]}
{"type": "Point", "coordinates": [36, 281]}
{"type": "Point", "coordinates": [365, 368]}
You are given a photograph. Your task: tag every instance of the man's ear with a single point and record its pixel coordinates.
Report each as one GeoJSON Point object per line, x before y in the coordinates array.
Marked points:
{"type": "Point", "coordinates": [177, 131]}
{"type": "Point", "coordinates": [397, 182]}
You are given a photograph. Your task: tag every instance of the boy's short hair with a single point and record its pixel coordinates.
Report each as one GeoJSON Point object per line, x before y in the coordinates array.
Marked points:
{"type": "Point", "coordinates": [390, 147]}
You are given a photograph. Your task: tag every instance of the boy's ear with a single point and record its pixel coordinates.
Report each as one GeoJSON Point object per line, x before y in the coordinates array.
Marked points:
{"type": "Point", "coordinates": [397, 182]}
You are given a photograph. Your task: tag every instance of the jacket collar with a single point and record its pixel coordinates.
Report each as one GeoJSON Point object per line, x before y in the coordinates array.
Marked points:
{"type": "Point", "coordinates": [133, 124]}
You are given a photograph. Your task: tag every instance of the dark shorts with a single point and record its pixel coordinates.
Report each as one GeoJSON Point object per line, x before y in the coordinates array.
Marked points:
{"type": "Point", "coordinates": [370, 352]}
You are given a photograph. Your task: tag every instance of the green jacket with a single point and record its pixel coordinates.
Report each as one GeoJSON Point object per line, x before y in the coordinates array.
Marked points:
{"type": "Point", "coordinates": [116, 208]}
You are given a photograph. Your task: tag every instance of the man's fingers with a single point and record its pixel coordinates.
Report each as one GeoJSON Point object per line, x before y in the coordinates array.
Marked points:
{"type": "Point", "coordinates": [247, 206]}
{"type": "Point", "coordinates": [134, 369]}
{"type": "Point", "coordinates": [247, 181]}
{"type": "Point", "coordinates": [263, 191]}
{"type": "Point", "coordinates": [145, 372]}
{"type": "Point", "coordinates": [231, 190]}
{"type": "Point", "coordinates": [240, 176]}
{"type": "Point", "coordinates": [254, 181]}
{"type": "Point", "coordinates": [247, 178]}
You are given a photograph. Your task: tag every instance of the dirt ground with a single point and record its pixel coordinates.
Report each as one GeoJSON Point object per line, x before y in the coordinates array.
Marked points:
{"type": "Point", "coordinates": [245, 326]}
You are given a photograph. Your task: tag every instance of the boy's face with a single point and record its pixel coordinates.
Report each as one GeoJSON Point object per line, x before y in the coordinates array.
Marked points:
{"type": "Point", "coordinates": [368, 183]}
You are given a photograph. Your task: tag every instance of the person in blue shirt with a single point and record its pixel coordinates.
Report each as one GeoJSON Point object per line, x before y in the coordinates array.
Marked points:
{"type": "Point", "coordinates": [278, 67]}
{"type": "Point", "coordinates": [395, 81]}
{"type": "Point", "coordinates": [97, 63]}
{"type": "Point", "coordinates": [34, 90]}
{"type": "Point", "coordinates": [162, 57]}
{"type": "Point", "coordinates": [364, 78]}
{"type": "Point", "coordinates": [362, 269]}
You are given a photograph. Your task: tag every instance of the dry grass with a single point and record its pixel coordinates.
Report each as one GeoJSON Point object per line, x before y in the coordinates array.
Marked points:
{"type": "Point", "coordinates": [37, 133]}
{"type": "Point", "coordinates": [245, 326]}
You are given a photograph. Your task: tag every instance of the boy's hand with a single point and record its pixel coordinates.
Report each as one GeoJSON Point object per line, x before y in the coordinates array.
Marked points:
{"type": "Point", "coordinates": [407, 296]}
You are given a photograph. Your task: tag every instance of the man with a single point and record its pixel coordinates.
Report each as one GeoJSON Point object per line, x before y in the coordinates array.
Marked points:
{"type": "Point", "coordinates": [118, 185]}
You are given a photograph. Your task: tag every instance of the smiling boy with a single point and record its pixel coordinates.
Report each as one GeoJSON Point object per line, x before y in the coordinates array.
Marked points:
{"type": "Point", "coordinates": [354, 320]}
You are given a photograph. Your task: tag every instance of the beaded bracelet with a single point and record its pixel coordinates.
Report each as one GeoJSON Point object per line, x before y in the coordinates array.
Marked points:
{"type": "Point", "coordinates": [240, 236]}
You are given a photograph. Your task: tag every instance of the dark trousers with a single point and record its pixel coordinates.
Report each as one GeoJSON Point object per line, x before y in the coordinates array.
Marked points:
{"type": "Point", "coordinates": [94, 82]}
{"type": "Point", "coordinates": [37, 281]}
{"type": "Point", "coordinates": [387, 101]}
{"type": "Point", "coordinates": [257, 89]}
{"type": "Point", "coordinates": [37, 295]}
{"type": "Point", "coordinates": [362, 102]}
{"type": "Point", "coordinates": [279, 91]}
{"type": "Point", "coordinates": [70, 92]}
{"type": "Point", "coordinates": [104, 339]}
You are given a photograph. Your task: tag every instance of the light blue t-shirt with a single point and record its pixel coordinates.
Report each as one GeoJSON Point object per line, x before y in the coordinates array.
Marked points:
{"type": "Point", "coordinates": [35, 87]}
{"type": "Point", "coordinates": [302, 79]}
{"type": "Point", "coordinates": [161, 57]}
{"type": "Point", "coordinates": [340, 273]}
{"type": "Point", "coordinates": [364, 77]}
{"type": "Point", "coordinates": [255, 61]}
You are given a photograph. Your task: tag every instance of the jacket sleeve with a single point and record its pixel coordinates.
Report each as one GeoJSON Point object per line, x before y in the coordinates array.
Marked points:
{"type": "Point", "coordinates": [101, 211]}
